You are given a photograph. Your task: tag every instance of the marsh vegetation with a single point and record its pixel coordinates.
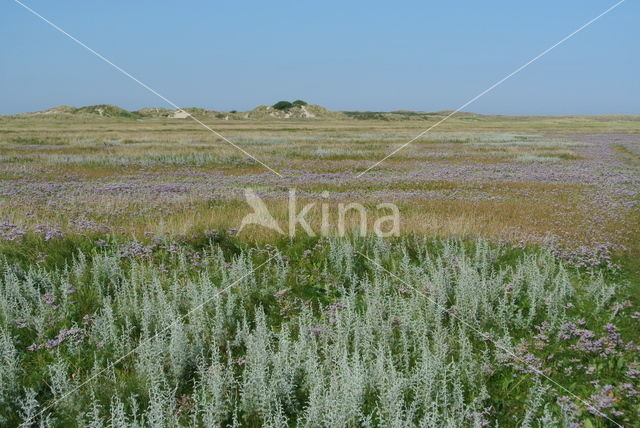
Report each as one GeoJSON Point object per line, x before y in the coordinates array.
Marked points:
{"type": "Point", "coordinates": [128, 297]}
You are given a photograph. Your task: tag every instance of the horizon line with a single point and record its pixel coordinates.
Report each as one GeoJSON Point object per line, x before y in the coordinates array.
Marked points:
{"type": "Point", "coordinates": [235, 111]}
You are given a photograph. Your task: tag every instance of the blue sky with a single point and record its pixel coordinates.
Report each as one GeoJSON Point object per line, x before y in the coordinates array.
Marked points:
{"type": "Point", "coordinates": [355, 55]}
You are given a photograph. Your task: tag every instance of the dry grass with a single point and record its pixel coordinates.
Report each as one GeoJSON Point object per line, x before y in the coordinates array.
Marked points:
{"type": "Point", "coordinates": [151, 153]}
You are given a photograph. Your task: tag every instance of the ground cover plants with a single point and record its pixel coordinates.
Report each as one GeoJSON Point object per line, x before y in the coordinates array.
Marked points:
{"type": "Point", "coordinates": [343, 332]}
{"type": "Point", "coordinates": [128, 296]}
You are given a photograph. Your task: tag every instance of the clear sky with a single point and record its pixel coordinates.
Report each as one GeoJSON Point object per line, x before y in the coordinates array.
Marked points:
{"type": "Point", "coordinates": [344, 55]}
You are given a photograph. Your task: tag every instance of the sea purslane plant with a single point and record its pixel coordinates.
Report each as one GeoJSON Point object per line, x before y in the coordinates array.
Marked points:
{"type": "Point", "coordinates": [340, 332]}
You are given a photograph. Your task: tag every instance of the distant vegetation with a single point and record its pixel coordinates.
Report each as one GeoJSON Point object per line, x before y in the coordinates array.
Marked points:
{"type": "Point", "coordinates": [281, 110]}
{"type": "Point", "coordinates": [108, 110]}
{"type": "Point", "coordinates": [366, 115]}
{"type": "Point", "coordinates": [282, 105]}
{"type": "Point", "coordinates": [393, 115]}
{"type": "Point", "coordinates": [286, 105]}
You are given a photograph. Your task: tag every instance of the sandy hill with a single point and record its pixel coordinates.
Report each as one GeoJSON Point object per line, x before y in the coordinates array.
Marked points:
{"type": "Point", "coordinates": [263, 112]}
{"type": "Point", "coordinates": [105, 110]}
{"type": "Point", "coordinates": [309, 111]}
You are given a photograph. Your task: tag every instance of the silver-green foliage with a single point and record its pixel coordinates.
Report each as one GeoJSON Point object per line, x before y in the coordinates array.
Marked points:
{"type": "Point", "coordinates": [212, 346]}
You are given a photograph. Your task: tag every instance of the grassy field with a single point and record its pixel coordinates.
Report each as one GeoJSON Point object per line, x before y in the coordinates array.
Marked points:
{"type": "Point", "coordinates": [129, 298]}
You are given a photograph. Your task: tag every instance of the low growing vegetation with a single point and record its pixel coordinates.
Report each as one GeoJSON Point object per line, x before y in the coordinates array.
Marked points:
{"type": "Point", "coordinates": [210, 331]}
